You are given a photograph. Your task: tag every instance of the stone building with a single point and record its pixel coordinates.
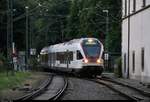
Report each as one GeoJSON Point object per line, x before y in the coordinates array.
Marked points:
{"type": "Point", "coordinates": [136, 39]}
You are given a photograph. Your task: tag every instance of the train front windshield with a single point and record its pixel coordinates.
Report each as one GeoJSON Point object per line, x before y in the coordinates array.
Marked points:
{"type": "Point", "coordinates": [91, 48]}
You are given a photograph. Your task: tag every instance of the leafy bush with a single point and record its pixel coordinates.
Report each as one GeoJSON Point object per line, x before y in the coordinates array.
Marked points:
{"type": "Point", "coordinates": [13, 81]}
{"type": "Point", "coordinates": [118, 67]}
{"type": "Point", "coordinates": [34, 64]}
{"type": "Point", "coordinates": [2, 62]}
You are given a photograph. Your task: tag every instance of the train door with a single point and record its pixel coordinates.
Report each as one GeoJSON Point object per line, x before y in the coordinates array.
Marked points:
{"type": "Point", "coordinates": [54, 59]}
{"type": "Point", "coordinates": [79, 59]}
{"type": "Point", "coordinates": [50, 60]}
{"type": "Point", "coordinates": [52, 56]}
{"type": "Point", "coordinates": [72, 59]}
{"type": "Point", "coordinates": [67, 58]}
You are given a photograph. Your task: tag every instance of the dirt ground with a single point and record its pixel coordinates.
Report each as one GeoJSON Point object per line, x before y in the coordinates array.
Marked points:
{"type": "Point", "coordinates": [33, 82]}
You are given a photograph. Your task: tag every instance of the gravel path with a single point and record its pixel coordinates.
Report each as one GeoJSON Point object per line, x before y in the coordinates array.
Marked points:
{"type": "Point", "coordinates": [80, 89]}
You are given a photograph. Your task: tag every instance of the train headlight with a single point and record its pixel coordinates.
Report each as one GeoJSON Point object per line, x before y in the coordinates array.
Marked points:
{"type": "Point", "coordinates": [100, 61]}
{"type": "Point", "coordinates": [85, 61]}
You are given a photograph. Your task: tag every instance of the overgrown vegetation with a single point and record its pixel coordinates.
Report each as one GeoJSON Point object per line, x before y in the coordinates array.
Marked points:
{"type": "Point", "coordinates": [12, 81]}
{"type": "Point", "coordinates": [34, 65]}
{"type": "Point", "coordinates": [118, 67]}
{"type": "Point", "coordinates": [2, 62]}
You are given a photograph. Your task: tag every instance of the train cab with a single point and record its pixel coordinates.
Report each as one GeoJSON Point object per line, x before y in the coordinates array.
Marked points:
{"type": "Point", "coordinates": [92, 61]}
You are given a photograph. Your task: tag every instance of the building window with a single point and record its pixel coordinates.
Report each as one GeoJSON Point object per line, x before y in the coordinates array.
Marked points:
{"type": "Point", "coordinates": [134, 5]}
{"type": "Point", "coordinates": [142, 59]}
{"type": "Point", "coordinates": [125, 8]}
{"type": "Point", "coordinates": [144, 3]}
{"type": "Point", "coordinates": [133, 61]}
{"type": "Point", "coordinates": [125, 63]}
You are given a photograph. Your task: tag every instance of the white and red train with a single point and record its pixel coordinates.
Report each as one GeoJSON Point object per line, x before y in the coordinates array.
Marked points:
{"type": "Point", "coordinates": [82, 55]}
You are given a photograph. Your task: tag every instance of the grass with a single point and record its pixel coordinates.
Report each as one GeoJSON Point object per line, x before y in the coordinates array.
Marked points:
{"type": "Point", "coordinates": [10, 81]}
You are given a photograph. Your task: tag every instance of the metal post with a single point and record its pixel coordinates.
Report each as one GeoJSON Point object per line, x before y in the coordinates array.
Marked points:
{"type": "Point", "coordinates": [62, 32]}
{"type": "Point", "coordinates": [11, 34]}
{"type": "Point", "coordinates": [8, 29]}
{"type": "Point", "coordinates": [107, 21]}
{"type": "Point", "coordinates": [27, 47]}
{"type": "Point", "coordinates": [47, 36]}
{"type": "Point", "coordinates": [11, 20]}
{"type": "Point", "coordinates": [106, 34]}
{"type": "Point", "coordinates": [30, 36]}
{"type": "Point", "coordinates": [30, 33]}
{"type": "Point", "coordinates": [8, 34]}
{"type": "Point", "coordinates": [107, 24]}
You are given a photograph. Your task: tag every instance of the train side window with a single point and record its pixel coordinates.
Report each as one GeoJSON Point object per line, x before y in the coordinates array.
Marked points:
{"type": "Point", "coordinates": [79, 55]}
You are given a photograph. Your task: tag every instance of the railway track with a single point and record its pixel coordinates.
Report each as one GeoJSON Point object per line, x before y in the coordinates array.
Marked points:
{"type": "Point", "coordinates": [51, 89]}
{"type": "Point", "coordinates": [124, 90]}
{"type": "Point", "coordinates": [55, 86]}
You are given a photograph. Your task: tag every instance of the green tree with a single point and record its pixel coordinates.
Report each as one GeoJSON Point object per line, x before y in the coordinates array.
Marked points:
{"type": "Point", "coordinates": [54, 21]}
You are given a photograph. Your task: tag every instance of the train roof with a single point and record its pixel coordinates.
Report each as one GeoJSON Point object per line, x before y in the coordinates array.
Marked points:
{"type": "Point", "coordinates": [70, 45]}
{"type": "Point", "coordinates": [44, 50]}
{"type": "Point", "coordinates": [74, 41]}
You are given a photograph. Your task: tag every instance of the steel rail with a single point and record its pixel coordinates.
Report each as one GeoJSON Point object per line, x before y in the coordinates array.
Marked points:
{"type": "Point", "coordinates": [114, 89]}
{"type": "Point", "coordinates": [37, 92]}
{"type": "Point", "coordinates": [123, 84]}
{"type": "Point", "coordinates": [61, 91]}
{"type": "Point", "coordinates": [54, 90]}
{"type": "Point", "coordinates": [43, 88]}
{"type": "Point", "coordinates": [110, 84]}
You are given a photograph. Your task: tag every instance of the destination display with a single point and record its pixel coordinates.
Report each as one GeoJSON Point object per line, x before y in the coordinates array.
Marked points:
{"type": "Point", "coordinates": [90, 42]}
